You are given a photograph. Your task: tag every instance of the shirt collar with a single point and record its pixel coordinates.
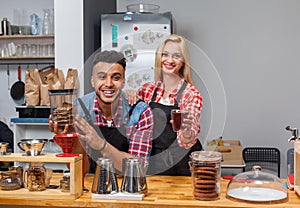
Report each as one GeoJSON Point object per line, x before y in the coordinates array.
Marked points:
{"type": "Point", "coordinates": [174, 92]}
{"type": "Point", "coordinates": [117, 115]}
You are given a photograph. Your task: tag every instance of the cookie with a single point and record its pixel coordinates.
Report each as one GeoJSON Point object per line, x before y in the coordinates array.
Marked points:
{"type": "Point", "coordinates": [205, 177]}
{"type": "Point", "coordinates": [202, 181]}
{"type": "Point", "coordinates": [205, 190]}
{"type": "Point", "coordinates": [206, 195]}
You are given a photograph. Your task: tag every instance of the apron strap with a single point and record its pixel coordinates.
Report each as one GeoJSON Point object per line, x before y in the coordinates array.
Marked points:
{"type": "Point", "coordinates": [126, 118]}
{"type": "Point", "coordinates": [89, 118]}
{"type": "Point", "coordinates": [183, 86]}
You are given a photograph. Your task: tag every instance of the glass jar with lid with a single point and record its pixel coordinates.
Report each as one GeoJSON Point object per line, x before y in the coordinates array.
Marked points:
{"type": "Point", "coordinates": [65, 183]}
{"type": "Point", "coordinates": [35, 177]}
{"type": "Point", "coordinates": [206, 174]}
{"type": "Point", "coordinates": [10, 180]}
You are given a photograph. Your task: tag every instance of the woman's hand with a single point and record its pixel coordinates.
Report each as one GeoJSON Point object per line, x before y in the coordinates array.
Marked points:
{"type": "Point", "coordinates": [186, 129]}
{"type": "Point", "coordinates": [131, 96]}
{"type": "Point", "coordinates": [88, 133]}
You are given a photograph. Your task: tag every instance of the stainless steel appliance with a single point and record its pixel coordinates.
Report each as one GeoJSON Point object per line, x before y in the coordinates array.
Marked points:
{"type": "Point", "coordinates": [137, 35]}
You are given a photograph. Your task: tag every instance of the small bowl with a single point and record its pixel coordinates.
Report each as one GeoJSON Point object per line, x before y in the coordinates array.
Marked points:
{"type": "Point", "coordinates": [143, 8]}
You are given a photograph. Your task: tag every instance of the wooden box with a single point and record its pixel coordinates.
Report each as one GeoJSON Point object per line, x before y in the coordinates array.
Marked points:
{"type": "Point", "coordinates": [231, 153]}
{"type": "Point", "coordinates": [75, 177]}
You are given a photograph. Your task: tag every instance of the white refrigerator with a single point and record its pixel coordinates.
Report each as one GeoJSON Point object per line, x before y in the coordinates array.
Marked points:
{"type": "Point", "coordinates": [137, 35]}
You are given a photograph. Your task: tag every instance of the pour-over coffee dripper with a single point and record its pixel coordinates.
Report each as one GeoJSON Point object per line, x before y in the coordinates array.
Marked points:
{"type": "Point", "coordinates": [67, 143]}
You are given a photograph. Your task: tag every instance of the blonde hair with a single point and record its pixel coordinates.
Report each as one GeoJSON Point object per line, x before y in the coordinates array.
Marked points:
{"type": "Point", "coordinates": [185, 71]}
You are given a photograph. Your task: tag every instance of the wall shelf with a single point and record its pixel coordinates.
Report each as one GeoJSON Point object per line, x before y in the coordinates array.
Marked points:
{"type": "Point", "coordinates": [9, 37]}
{"type": "Point", "coordinates": [29, 40]}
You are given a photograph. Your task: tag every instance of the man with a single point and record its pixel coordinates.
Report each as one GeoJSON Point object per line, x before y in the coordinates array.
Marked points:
{"type": "Point", "coordinates": [6, 135]}
{"type": "Point", "coordinates": [125, 131]}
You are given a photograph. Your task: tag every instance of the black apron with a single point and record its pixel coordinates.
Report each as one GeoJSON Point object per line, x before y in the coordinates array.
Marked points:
{"type": "Point", "coordinates": [114, 136]}
{"type": "Point", "coordinates": [167, 158]}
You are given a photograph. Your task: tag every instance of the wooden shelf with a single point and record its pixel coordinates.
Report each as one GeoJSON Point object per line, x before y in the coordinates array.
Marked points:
{"type": "Point", "coordinates": [27, 39]}
{"type": "Point", "coordinates": [75, 176]}
{"type": "Point", "coordinates": [25, 36]}
{"type": "Point", "coordinates": [26, 57]}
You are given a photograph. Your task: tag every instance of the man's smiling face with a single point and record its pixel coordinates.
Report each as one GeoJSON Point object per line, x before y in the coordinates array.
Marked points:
{"type": "Point", "coordinates": [108, 81]}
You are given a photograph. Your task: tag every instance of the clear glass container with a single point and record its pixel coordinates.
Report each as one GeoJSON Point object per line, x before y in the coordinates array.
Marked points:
{"type": "Point", "coordinates": [206, 174]}
{"type": "Point", "coordinates": [10, 180]}
{"type": "Point", "coordinates": [257, 186]}
{"type": "Point", "coordinates": [64, 184]}
{"type": "Point", "coordinates": [143, 8]}
{"type": "Point", "coordinates": [35, 177]}
{"type": "Point", "coordinates": [62, 110]}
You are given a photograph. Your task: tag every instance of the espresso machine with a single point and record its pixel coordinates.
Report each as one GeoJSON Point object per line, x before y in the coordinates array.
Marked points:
{"type": "Point", "coordinates": [296, 140]}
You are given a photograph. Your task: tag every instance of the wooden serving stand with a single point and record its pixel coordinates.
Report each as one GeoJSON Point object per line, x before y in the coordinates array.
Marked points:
{"type": "Point", "coordinates": [75, 177]}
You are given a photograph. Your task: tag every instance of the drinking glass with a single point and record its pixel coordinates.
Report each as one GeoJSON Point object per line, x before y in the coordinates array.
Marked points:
{"type": "Point", "coordinates": [177, 116]}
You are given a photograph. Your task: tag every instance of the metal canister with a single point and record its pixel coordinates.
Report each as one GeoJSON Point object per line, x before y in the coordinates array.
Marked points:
{"type": "Point", "coordinates": [206, 174]}
{"type": "Point", "coordinates": [5, 26]}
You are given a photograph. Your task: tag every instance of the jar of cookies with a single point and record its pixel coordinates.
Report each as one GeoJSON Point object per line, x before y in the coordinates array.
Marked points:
{"type": "Point", "coordinates": [62, 110]}
{"type": "Point", "coordinates": [206, 173]}
{"type": "Point", "coordinates": [35, 177]}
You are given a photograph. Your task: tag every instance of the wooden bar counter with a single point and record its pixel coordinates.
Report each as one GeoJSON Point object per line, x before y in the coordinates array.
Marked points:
{"type": "Point", "coordinates": [163, 191]}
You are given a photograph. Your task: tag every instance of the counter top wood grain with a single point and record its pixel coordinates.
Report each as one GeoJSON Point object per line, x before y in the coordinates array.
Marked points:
{"type": "Point", "coordinates": [163, 191]}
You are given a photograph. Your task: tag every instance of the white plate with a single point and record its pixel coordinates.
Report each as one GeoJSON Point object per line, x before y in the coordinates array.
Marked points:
{"type": "Point", "coordinates": [257, 194]}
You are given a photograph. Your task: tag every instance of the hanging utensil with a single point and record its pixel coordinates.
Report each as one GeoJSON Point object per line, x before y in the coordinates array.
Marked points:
{"type": "Point", "coordinates": [7, 71]}
{"type": "Point", "coordinates": [18, 89]}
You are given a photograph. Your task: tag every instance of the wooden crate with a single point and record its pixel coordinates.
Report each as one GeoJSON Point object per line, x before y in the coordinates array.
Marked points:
{"type": "Point", "coordinates": [75, 177]}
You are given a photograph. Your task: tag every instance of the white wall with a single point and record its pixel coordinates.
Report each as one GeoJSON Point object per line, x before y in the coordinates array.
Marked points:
{"type": "Point", "coordinates": [69, 36]}
{"type": "Point", "coordinates": [254, 46]}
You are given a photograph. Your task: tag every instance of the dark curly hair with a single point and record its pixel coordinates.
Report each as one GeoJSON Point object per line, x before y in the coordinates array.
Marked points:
{"type": "Point", "coordinates": [110, 57]}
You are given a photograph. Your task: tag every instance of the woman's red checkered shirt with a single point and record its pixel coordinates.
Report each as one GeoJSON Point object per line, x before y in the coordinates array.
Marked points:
{"type": "Point", "coordinates": [191, 100]}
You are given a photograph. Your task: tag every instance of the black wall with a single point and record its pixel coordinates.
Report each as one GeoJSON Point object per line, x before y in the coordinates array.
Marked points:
{"type": "Point", "coordinates": [92, 30]}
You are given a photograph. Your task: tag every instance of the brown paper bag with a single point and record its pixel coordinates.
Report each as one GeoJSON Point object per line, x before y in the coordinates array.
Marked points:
{"type": "Point", "coordinates": [32, 87]}
{"type": "Point", "coordinates": [71, 79]}
{"type": "Point", "coordinates": [53, 80]}
{"type": "Point", "coordinates": [71, 83]}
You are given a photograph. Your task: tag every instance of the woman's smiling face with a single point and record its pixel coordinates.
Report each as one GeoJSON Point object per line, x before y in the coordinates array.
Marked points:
{"type": "Point", "coordinates": [171, 58]}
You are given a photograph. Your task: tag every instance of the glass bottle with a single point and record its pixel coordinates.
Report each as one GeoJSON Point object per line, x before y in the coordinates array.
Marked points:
{"type": "Point", "coordinates": [34, 23]}
{"type": "Point", "coordinates": [46, 22]}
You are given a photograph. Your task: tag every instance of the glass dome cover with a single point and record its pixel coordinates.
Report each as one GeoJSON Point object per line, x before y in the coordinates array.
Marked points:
{"type": "Point", "coordinates": [257, 186]}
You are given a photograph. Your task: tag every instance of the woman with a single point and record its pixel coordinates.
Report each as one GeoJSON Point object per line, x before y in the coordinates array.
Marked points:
{"type": "Point", "coordinates": [173, 89]}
